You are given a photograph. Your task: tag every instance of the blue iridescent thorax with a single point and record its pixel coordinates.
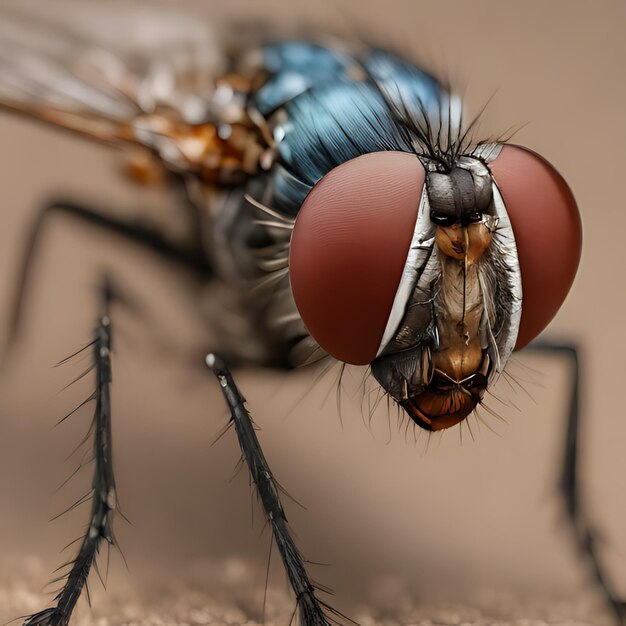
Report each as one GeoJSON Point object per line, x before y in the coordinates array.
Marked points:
{"type": "Point", "coordinates": [325, 107]}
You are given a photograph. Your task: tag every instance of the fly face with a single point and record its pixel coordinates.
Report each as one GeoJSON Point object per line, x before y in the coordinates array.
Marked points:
{"type": "Point", "coordinates": [441, 378]}
{"type": "Point", "coordinates": [417, 269]}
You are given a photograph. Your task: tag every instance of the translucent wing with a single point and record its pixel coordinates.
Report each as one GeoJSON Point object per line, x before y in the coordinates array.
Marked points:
{"type": "Point", "coordinates": [122, 76]}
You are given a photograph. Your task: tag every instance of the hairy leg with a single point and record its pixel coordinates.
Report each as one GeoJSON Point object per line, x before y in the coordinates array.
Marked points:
{"type": "Point", "coordinates": [569, 486]}
{"type": "Point", "coordinates": [312, 611]}
{"type": "Point", "coordinates": [103, 495]}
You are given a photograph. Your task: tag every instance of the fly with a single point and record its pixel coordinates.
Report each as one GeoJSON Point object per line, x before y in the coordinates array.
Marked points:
{"type": "Point", "coordinates": [339, 207]}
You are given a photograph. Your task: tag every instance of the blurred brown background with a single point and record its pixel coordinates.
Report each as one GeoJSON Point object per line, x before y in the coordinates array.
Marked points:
{"type": "Point", "coordinates": [469, 522]}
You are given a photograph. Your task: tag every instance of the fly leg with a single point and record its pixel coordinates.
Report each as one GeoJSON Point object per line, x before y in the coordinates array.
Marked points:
{"type": "Point", "coordinates": [312, 610]}
{"type": "Point", "coordinates": [103, 494]}
{"type": "Point", "coordinates": [143, 236]}
{"type": "Point", "coordinates": [569, 487]}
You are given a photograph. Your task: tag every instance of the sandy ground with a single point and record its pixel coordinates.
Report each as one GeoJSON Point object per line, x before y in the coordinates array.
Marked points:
{"type": "Point", "coordinates": [235, 605]}
{"type": "Point", "coordinates": [194, 608]}
{"type": "Point", "coordinates": [464, 529]}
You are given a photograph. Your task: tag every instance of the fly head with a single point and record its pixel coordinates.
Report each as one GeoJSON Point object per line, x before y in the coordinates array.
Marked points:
{"type": "Point", "coordinates": [418, 269]}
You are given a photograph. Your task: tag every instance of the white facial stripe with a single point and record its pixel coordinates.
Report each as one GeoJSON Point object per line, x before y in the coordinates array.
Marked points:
{"type": "Point", "coordinates": [421, 245]}
{"type": "Point", "coordinates": [506, 244]}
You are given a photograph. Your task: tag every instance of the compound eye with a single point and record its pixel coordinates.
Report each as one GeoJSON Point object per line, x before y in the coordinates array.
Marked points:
{"type": "Point", "coordinates": [547, 230]}
{"type": "Point", "coordinates": [348, 250]}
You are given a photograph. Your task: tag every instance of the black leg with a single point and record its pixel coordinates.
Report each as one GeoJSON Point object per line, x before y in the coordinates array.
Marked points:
{"type": "Point", "coordinates": [148, 238]}
{"type": "Point", "coordinates": [312, 611]}
{"type": "Point", "coordinates": [569, 487]}
{"type": "Point", "coordinates": [103, 494]}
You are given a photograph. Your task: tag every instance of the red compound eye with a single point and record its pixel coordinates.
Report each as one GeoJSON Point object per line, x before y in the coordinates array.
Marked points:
{"type": "Point", "coordinates": [547, 231]}
{"type": "Point", "coordinates": [348, 249]}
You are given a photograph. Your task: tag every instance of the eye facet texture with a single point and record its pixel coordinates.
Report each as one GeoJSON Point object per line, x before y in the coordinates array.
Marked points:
{"type": "Point", "coordinates": [547, 230]}
{"type": "Point", "coordinates": [349, 247]}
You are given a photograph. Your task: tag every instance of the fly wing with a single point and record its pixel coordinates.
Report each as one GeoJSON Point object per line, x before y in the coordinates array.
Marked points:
{"type": "Point", "coordinates": [96, 72]}
{"type": "Point", "coordinates": [44, 74]}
